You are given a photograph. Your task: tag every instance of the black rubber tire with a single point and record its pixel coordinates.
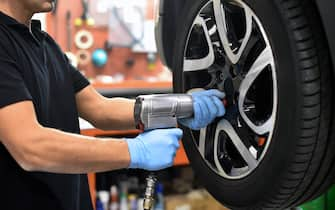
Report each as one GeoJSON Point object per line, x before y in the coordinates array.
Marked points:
{"type": "Point", "coordinates": [298, 165]}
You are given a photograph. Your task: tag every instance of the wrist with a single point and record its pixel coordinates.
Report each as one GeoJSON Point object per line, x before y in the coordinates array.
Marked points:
{"type": "Point", "coordinates": [132, 153]}
{"type": "Point", "coordinates": [127, 159]}
{"type": "Point", "coordinates": [118, 148]}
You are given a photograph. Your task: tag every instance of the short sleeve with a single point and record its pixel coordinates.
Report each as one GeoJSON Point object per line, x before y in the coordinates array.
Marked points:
{"type": "Point", "coordinates": [12, 86]}
{"type": "Point", "coordinates": [79, 82]}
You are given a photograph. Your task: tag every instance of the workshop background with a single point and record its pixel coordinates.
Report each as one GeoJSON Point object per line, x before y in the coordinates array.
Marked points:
{"type": "Point", "coordinates": [112, 44]}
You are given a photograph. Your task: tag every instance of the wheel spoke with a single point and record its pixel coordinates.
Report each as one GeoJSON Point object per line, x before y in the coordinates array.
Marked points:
{"type": "Point", "coordinates": [264, 59]}
{"type": "Point", "coordinates": [202, 141]}
{"type": "Point", "coordinates": [225, 126]}
{"type": "Point", "coordinates": [220, 18]}
{"type": "Point", "coordinates": [208, 60]}
{"type": "Point", "coordinates": [247, 49]}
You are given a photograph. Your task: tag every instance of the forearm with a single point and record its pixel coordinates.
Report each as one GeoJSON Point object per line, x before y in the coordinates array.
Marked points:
{"type": "Point", "coordinates": [105, 113]}
{"type": "Point", "coordinates": [116, 114]}
{"type": "Point", "coordinates": [59, 152]}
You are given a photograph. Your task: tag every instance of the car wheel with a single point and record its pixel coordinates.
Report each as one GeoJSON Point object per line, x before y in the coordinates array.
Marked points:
{"type": "Point", "coordinates": [272, 148]}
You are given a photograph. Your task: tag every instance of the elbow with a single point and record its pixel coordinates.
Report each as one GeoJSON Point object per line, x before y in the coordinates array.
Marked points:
{"type": "Point", "coordinates": [30, 157]}
{"type": "Point", "coordinates": [29, 161]}
{"type": "Point", "coordinates": [27, 165]}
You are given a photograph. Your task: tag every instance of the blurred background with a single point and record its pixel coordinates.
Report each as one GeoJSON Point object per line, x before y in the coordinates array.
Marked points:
{"type": "Point", "coordinates": [110, 41]}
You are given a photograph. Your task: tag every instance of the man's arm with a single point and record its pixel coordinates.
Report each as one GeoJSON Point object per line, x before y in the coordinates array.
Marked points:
{"type": "Point", "coordinates": [105, 113]}
{"type": "Point", "coordinates": [37, 148]}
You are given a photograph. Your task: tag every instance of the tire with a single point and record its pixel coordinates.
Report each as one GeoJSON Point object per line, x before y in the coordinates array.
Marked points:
{"type": "Point", "coordinates": [296, 165]}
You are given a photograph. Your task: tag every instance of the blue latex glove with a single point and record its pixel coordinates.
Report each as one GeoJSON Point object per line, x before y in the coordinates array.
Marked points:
{"type": "Point", "coordinates": [154, 150]}
{"type": "Point", "coordinates": [207, 106]}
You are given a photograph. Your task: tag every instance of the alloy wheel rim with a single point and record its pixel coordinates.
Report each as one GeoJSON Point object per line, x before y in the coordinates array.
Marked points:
{"type": "Point", "coordinates": [237, 59]}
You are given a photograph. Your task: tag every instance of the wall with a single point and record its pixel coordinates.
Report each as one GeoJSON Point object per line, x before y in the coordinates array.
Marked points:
{"type": "Point", "coordinates": [56, 27]}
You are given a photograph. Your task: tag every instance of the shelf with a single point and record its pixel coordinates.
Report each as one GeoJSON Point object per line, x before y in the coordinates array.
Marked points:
{"type": "Point", "coordinates": [127, 84]}
{"type": "Point", "coordinates": [132, 88]}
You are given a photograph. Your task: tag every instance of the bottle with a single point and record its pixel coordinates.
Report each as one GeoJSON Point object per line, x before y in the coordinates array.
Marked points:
{"type": "Point", "coordinates": [123, 201]}
{"type": "Point", "coordinates": [104, 198]}
{"type": "Point", "coordinates": [124, 195]}
{"type": "Point", "coordinates": [114, 198]}
{"type": "Point", "coordinates": [132, 202]}
{"type": "Point", "coordinates": [98, 204]}
{"type": "Point", "coordinates": [159, 205]}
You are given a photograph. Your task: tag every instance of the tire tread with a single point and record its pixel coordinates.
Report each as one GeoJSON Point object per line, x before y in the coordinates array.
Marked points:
{"type": "Point", "coordinates": [302, 180]}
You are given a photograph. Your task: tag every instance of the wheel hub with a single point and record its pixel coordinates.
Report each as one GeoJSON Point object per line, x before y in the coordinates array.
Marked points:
{"type": "Point", "coordinates": [226, 79]}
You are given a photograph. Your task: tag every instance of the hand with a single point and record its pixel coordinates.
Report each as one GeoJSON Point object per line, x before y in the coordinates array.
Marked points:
{"type": "Point", "coordinates": [207, 106]}
{"type": "Point", "coordinates": [154, 150]}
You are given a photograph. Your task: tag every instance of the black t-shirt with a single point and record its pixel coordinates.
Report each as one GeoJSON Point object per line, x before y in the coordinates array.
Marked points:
{"type": "Point", "coordinates": [33, 67]}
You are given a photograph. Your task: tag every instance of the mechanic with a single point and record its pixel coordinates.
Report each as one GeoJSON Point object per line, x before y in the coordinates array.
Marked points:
{"type": "Point", "coordinates": [43, 159]}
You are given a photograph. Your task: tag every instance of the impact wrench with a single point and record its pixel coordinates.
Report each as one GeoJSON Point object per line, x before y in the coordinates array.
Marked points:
{"type": "Point", "coordinates": [157, 112]}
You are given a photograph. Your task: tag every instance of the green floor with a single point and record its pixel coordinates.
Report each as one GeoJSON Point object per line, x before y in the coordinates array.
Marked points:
{"type": "Point", "coordinates": [324, 202]}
